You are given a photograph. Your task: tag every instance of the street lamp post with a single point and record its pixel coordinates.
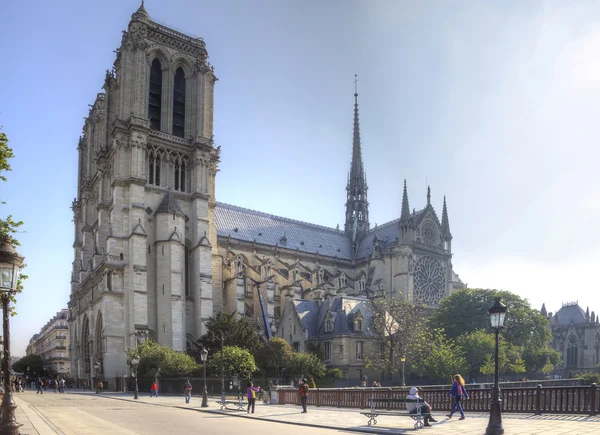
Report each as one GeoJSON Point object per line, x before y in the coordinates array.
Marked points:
{"type": "Point", "coordinates": [204, 358]}
{"type": "Point", "coordinates": [403, 360]}
{"type": "Point", "coordinates": [10, 263]}
{"type": "Point", "coordinates": [497, 315]}
{"type": "Point", "coordinates": [135, 361]}
{"type": "Point", "coordinates": [222, 369]}
{"type": "Point", "coordinates": [96, 367]}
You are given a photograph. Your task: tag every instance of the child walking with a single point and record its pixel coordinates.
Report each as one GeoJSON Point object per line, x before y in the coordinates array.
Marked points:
{"type": "Point", "coordinates": [457, 392]}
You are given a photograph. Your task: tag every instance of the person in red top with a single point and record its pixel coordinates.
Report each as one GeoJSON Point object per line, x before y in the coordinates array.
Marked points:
{"type": "Point", "coordinates": [303, 394]}
{"type": "Point", "coordinates": [154, 390]}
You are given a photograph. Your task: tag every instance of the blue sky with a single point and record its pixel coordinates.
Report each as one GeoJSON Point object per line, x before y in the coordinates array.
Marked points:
{"type": "Point", "coordinates": [494, 104]}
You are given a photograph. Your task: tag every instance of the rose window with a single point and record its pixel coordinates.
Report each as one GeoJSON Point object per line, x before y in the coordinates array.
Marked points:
{"type": "Point", "coordinates": [429, 281]}
{"type": "Point", "coordinates": [429, 233]}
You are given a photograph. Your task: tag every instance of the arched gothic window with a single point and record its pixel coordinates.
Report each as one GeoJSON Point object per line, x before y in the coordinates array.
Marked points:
{"type": "Point", "coordinates": [179, 103]}
{"type": "Point", "coordinates": [179, 174]}
{"type": "Point", "coordinates": [154, 165]}
{"type": "Point", "coordinates": [155, 94]}
{"type": "Point", "coordinates": [572, 349]}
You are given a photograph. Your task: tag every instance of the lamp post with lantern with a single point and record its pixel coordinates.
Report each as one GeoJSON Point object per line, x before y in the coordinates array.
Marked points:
{"type": "Point", "coordinates": [10, 264]}
{"type": "Point", "coordinates": [204, 358]}
{"type": "Point", "coordinates": [497, 315]}
{"type": "Point", "coordinates": [403, 361]}
{"type": "Point", "coordinates": [135, 362]}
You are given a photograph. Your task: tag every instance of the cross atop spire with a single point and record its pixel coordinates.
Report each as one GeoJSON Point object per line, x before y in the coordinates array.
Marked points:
{"type": "Point", "coordinates": [357, 206]}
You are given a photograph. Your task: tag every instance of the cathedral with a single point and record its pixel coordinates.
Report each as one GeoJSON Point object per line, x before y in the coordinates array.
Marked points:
{"type": "Point", "coordinates": [155, 254]}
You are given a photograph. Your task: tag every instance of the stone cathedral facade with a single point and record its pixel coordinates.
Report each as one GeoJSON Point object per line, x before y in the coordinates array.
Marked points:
{"type": "Point", "coordinates": [156, 255]}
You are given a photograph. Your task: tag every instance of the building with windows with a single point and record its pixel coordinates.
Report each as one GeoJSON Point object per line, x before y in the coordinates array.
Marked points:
{"type": "Point", "coordinates": [51, 344]}
{"type": "Point", "coordinates": [155, 255]}
{"type": "Point", "coordinates": [576, 335]}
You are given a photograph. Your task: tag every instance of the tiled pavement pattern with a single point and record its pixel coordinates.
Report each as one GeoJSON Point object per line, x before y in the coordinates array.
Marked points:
{"type": "Point", "coordinates": [335, 419]}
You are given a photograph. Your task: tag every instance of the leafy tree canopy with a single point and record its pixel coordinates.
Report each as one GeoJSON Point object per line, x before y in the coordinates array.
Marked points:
{"type": "Point", "coordinates": [509, 360]}
{"type": "Point", "coordinates": [439, 357]}
{"type": "Point", "coordinates": [306, 365]}
{"type": "Point", "coordinates": [33, 362]}
{"type": "Point", "coordinates": [274, 356]}
{"type": "Point", "coordinates": [478, 346]}
{"type": "Point", "coordinates": [466, 311]}
{"type": "Point", "coordinates": [400, 327]}
{"type": "Point", "coordinates": [239, 333]}
{"type": "Point", "coordinates": [8, 226]}
{"type": "Point", "coordinates": [541, 359]}
{"type": "Point", "coordinates": [154, 356]}
{"type": "Point", "coordinates": [233, 361]}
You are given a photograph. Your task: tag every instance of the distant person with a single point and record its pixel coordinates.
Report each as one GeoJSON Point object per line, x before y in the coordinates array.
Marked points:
{"type": "Point", "coordinates": [154, 390]}
{"type": "Point", "coordinates": [187, 388]}
{"type": "Point", "coordinates": [39, 384]}
{"type": "Point", "coordinates": [303, 390]}
{"type": "Point", "coordinates": [251, 394]}
{"type": "Point", "coordinates": [457, 392]}
{"type": "Point", "coordinates": [411, 407]}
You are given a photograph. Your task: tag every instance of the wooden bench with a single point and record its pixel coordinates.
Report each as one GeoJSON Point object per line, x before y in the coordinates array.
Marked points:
{"type": "Point", "coordinates": [415, 415]}
{"type": "Point", "coordinates": [238, 405]}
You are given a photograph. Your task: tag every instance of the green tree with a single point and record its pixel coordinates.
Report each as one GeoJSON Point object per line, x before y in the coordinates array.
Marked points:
{"type": "Point", "coordinates": [33, 362]}
{"type": "Point", "coordinates": [154, 356]}
{"type": "Point", "coordinates": [440, 358]}
{"type": "Point", "coordinates": [540, 359]}
{"type": "Point", "coordinates": [8, 226]}
{"type": "Point", "coordinates": [234, 361]}
{"type": "Point", "coordinates": [477, 347]}
{"type": "Point", "coordinates": [306, 365]}
{"type": "Point", "coordinates": [466, 311]}
{"type": "Point", "coordinates": [509, 360]}
{"type": "Point", "coordinates": [317, 350]}
{"type": "Point", "coordinates": [274, 356]}
{"type": "Point", "coordinates": [239, 333]}
{"type": "Point", "coordinates": [399, 326]}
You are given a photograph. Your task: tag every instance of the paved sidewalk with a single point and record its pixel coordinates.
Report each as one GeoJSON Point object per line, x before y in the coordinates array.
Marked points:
{"type": "Point", "coordinates": [33, 423]}
{"type": "Point", "coordinates": [352, 420]}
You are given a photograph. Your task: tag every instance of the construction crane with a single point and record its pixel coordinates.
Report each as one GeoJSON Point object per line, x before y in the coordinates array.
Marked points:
{"type": "Point", "coordinates": [268, 334]}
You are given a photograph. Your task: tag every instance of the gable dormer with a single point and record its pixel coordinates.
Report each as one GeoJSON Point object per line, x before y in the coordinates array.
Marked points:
{"type": "Point", "coordinates": [329, 323]}
{"type": "Point", "coordinates": [358, 322]}
{"type": "Point", "coordinates": [360, 284]}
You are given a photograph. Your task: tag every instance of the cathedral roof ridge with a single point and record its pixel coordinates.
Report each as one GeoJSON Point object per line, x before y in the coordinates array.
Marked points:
{"type": "Point", "coordinates": [384, 225]}
{"type": "Point", "coordinates": [280, 218]}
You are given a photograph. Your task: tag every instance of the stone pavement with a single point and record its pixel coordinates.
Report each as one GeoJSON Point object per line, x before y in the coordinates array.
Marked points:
{"type": "Point", "coordinates": [351, 419]}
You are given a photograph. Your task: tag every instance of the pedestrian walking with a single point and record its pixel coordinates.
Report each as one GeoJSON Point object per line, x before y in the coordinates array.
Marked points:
{"type": "Point", "coordinates": [187, 388]}
{"type": "Point", "coordinates": [303, 394]}
{"type": "Point", "coordinates": [154, 390]}
{"type": "Point", "coordinates": [251, 394]}
{"type": "Point", "coordinates": [411, 407]}
{"type": "Point", "coordinates": [39, 384]}
{"type": "Point", "coordinates": [457, 392]}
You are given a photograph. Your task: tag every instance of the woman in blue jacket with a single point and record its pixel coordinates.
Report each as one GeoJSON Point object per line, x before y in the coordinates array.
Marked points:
{"type": "Point", "coordinates": [457, 392]}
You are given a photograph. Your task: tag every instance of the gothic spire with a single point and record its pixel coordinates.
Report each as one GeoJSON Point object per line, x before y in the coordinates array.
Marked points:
{"type": "Point", "coordinates": [543, 310]}
{"type": "Point", "coordinates": [405, 216]}
{"type": "Point", "coordinates": [357, 206]}
{"type": "Point", "coordinates": [445, 221]}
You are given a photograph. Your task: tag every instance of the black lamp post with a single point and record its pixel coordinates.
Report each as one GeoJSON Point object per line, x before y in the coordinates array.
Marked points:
{"type": "Point", "coordinates": [403, 360]}
{"type": "Point", "coordinates": [135, 362]}
{"type": "Point", "coordinates": [10, 263]}
{"type": "Point", "coordinates": [222, 369]}
{"type": "Point", "coordinates": [497, 315]}
{"type": "Point", "coordinates": [204, 358]}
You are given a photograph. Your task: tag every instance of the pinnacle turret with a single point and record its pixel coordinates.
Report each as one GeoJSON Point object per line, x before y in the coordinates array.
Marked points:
{"type": "Point", "coordinates": [357, 206]}
{"type": "Point", "coordinates": [446, 222]}
{"type": "Point", "coordinates": [405, 216]}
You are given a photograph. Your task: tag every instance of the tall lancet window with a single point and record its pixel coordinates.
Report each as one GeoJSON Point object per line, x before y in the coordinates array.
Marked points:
{"type": "Point", "coordinates": [155, 94]}
{"type": "Point", "coordinates": [179, 103]}
{"type": "Point", "coordinates": [179, 176]}
{"type": "Point", "coordinates": [154, 162]}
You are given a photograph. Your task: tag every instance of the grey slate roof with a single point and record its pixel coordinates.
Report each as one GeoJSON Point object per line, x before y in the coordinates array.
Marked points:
{"type": "Point", "coordinates": [385, 233]}
{"type": "Point", "coordinates": [169, 205]}
{"type": "Point", "coordinates": [570, 313]}
{"type": "Point", "coordinates": [343, 309]}
{"type": "Point", "coordinates": [266, 229]}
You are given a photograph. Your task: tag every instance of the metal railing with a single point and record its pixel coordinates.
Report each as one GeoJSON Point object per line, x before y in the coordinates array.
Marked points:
{"type": "Point", "coordinates": [529, 400]}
